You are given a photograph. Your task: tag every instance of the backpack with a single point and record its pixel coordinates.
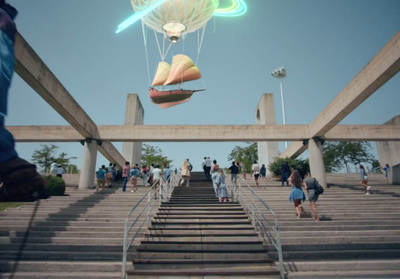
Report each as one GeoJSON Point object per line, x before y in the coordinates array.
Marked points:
{"type": "Point", "coordinates": [318, 189]}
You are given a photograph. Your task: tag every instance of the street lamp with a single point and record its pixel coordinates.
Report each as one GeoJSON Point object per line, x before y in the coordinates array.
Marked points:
{"type": "Point", "coordinates": [280, 73]}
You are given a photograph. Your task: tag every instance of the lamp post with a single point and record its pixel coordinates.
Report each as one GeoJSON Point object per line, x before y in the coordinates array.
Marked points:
{"type": "Point", "coordinates": [280, 73]}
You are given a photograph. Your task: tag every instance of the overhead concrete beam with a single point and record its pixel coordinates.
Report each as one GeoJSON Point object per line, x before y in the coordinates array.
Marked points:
{"type": "Point", "coordinates": [210, 133]}
{"type": "Point", "coordinates": [295, 149]}
{"type": "Point", "coordinates": [37, 75]}
{"type": "Point", "coordinates": [164, 133]}
{"type": "Point", "coordinates": [364, 133]}
{"type": "Point", "coordinates": [382, 67]}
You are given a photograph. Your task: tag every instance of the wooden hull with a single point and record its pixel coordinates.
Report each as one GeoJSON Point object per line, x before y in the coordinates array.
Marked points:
{"type": "Point", "coordinates": [169, 98]}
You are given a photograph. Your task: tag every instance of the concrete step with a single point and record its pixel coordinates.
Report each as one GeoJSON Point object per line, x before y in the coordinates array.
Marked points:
{"type": "Point", "coordinates": [62, 255]}
{"type": "Point", "coordinates": [203, 272]}
{"type": "Point", "coordinates": [62, 275]}
{"type": "Point", "coordinates": [218, 255]}
{"type": "Point", "coordinates": [66, 266]}
{"type": "Point", "coordinates": [201, 239]}
{"type": "Point", "coordinates": [351, 265]}
{"type": "Point", "coordinates": [202, 232]}
{"type": "Point", "coordinates": [345, 274]}
{"type": "Point", "coordinates": [333, 255]}
{"type": "Point", "coordinates": [218, 247]}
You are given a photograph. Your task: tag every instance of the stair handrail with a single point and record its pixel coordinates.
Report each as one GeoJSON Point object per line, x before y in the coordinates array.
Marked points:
{"type": "Point", "coordinates": [252, 206]}
{"type": "Point", "coordinates": [151, 203]}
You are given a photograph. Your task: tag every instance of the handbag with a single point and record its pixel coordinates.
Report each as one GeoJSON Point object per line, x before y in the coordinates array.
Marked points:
{"type": "Point", "coordinates": [318, 189]}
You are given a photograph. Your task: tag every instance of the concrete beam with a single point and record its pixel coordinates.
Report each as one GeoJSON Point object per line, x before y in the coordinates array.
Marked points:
{"type": "Point", "coordinates": [38, 76]}
{"type": "Point", "coordinates": [364, 133]}
{"type": "Point", "coordinates": [210, 133]}
{"type": "Point", "coordinates": [382, 67]}
{"type": "Point", "coordinates": [164, 133]}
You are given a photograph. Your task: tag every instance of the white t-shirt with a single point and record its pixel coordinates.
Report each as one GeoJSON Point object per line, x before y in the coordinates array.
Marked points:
{"type": "Point", "coordinates": [255, 168]}
{"type": "Point", "coordinates": [156, 173]}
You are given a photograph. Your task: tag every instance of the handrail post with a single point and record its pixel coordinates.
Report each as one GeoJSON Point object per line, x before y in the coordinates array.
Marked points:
{"type": "Point", "coordinates": [149, 208]}
{"type": "Point", "coordinates": [125, 249]}
{"type": "Point", "coordinates": [253, 219]}
{"type": "Point", "coordinates": [279, 248]}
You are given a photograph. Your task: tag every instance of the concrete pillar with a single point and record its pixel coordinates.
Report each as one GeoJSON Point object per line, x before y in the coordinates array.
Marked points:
{"type": "Point", "coordinates": [389, 153]}
{"type": "Point", "coordinates": [134, 115]}
{"type": "Point", "coordinates": [265, 115]}
{"type": "Point", "coordinates": [86, 180]}
{"type": "Point", "coordinates": [317, 167]}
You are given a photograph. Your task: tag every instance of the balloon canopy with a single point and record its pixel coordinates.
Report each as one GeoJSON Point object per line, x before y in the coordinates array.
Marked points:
{"type": "Point", "coordinates": [176, 17]}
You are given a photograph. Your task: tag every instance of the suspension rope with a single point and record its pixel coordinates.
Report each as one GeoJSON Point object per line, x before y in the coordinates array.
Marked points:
{"type": "Point", "coordinates": [145, 50]}
{"type": "Point", "coordinates": [200, 41]}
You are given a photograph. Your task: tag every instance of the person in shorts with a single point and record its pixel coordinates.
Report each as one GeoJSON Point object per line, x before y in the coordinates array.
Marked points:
{"type": "Point", "coordinates": [255, 171]}
{"type": "Point", "coordinates": [309, 185]}
{"type": "Point", "coordinates": [297, 195]}
{"type": "Point", "coordinates": [101, 175]}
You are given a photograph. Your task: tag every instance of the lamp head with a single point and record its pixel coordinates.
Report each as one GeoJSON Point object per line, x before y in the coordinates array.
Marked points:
{"type": "Point", "coordinates": [279, 73]}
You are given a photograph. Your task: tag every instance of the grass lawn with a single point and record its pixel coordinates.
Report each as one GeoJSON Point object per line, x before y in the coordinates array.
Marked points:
{"type": "Point", "coordinates": [5, 205]}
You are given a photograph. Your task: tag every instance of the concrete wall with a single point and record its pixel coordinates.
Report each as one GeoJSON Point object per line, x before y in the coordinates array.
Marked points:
{"type": "Point", "coordinates": [134, 115]}
{"type": "Point", "coordinates": [389, 153]}
{"type": "Point", "coordinates": [265, 115]}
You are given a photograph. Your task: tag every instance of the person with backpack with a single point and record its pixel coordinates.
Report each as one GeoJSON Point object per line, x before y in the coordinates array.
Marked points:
{"type": "Point", "coordinates": [310, 185]}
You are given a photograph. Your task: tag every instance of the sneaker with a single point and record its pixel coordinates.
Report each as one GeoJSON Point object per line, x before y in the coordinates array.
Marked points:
{"type": "Point", "coordinates": [367, 193]}
{"type": "Point", "coordinates": [131, 191]}
{"type": "Point", "coordinates": [21, 182]}
{"type": "Point", "coordinates": [368, 188]}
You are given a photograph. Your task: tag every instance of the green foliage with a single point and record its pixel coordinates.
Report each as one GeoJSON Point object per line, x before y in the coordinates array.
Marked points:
{"type": "Point", "coordinates": [153, 155]}
{"type": "Point", "coordinates": [63, 160]}
{"type": "Point", "coordinates": [301, 165]}
{"type": "Point", "coordinates": [45, 156]}
{"type": "Point", "coordinates": [339, 155]}
{"type": "Point", "coordinates": [246, 154]}
{"type": "Point", "coordinates": [55, 186]}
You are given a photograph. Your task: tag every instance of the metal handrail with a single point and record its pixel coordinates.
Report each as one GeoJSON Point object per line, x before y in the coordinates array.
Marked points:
{"type": "Point", "coordinates": [255, 207]}
{"type": "Point", "coordinates": [165, 191]}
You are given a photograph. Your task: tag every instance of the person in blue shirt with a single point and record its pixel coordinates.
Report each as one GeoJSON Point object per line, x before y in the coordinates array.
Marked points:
{"type": "Point", "coordinates": [386, 169]}
{"type": "Point", "coordinates": [101, 176]}
{"type": "Point", "coordinates": [167, 174]}
{"type": "Point", "coordinates": [133, 175]}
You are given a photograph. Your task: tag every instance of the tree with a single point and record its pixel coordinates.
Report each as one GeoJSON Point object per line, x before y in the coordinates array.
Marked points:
{"type": "Point", "coordinates": [302, 166]}
{"type": "Point", "coordinates": [63, 160]}
{"type": "Point", "coordinates": [153, 155]}
{"type": "Point", "coordinates": [45, 156]}
{"type": "Point", "coordinates": [343, 154]}
{"type": "Point", "coordinates": [246, 154]}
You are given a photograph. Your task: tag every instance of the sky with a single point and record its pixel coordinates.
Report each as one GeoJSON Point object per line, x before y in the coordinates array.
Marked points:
{"type": "Point", "coordinates": [322, 45]}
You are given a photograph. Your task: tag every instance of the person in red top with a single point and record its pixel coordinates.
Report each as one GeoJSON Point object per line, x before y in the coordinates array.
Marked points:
{"type": "Point", "coordinates": [125, 175]}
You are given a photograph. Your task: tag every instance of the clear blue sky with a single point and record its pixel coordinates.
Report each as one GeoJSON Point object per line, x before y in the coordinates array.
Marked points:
{"type": "Point", "coordinates": [322, 44]}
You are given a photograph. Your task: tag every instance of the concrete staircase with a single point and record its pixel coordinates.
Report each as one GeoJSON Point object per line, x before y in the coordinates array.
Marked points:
{"type": "Point", "coordinates": [358, 235]}
{"type": "Point", "coordinates": [195, 235]}
{"type": "Point", "coordinates": [75, 236]}
{"type": "Point", "coordinates": [80, 235]}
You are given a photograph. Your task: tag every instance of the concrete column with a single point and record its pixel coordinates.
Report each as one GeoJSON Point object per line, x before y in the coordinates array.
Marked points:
{"type": "Point", "coordinates": [134, 115]}
{"type": "Point", "coordinates": [265, 115]}
{"type": "Point", "coordinates": [389, 153]}
{"type": "Point", "coordinates": [317, 167]}
{"type": "Point", "coordinates": [86, 180]}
